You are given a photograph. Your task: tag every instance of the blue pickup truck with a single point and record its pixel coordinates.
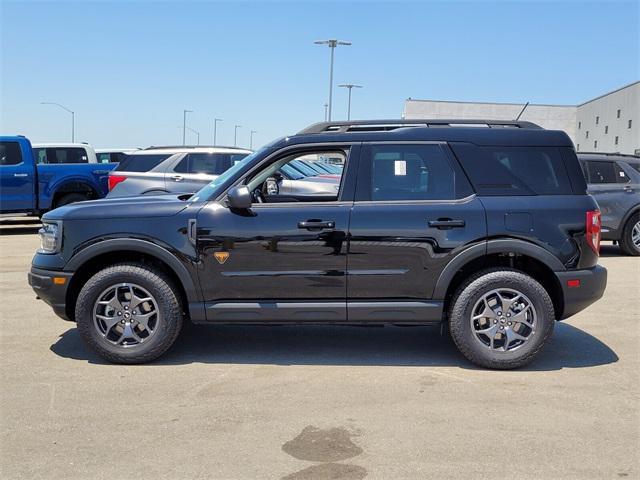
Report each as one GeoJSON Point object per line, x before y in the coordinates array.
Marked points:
{"type": "Point", "coordinates": [32, 188]}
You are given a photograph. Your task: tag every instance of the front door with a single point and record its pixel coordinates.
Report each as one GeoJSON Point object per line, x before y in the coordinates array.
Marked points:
{"type": "Point", "coordinates": [285, 259]}
{"type": "Point", "coordinates": [414, 211]}
{"type": "Point", "coordinates": [17, 178]}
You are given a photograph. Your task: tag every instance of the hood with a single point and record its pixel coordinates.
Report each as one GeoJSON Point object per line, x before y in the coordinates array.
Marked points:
{"type": "Point", "coordinates": [121, 207]}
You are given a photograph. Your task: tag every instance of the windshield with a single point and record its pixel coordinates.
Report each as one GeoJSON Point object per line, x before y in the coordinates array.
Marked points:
{"type": "Point", "coordinates": [210, 189]}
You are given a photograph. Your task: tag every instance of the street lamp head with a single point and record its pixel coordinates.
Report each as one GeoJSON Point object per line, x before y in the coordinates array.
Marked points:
{"type": "Point", "coordinates": [331, 42]}
{"type": "Point", "coordinates": [349, 85]}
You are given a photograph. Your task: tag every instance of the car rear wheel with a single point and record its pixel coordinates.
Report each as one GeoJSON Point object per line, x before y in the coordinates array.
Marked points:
{"type": "Point", "coordinates": [70, 198]}
{"type": "Point", "coordinates": [630, 241]}
{"type": "Point", "coordinates": [501, 318]}
{"type": "Point", "coordinates": [129, 313]}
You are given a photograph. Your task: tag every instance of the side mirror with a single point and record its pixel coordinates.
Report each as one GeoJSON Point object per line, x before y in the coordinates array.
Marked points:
{"type": "Point", "coordinates": [239, 198]}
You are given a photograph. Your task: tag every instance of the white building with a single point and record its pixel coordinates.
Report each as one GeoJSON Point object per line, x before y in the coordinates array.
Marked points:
{"type": "Point", "coordinates": [608, 123]}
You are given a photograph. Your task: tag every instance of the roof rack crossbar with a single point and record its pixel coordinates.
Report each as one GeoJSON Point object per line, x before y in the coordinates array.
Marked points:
{"type": "Point", "coordinates": [380, 125]}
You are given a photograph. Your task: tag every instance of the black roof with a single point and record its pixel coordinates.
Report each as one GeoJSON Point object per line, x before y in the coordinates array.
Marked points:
{"type": "Point", "coordinates": [608, 156]}
{"type": "Point", "coordinates": [480, 132]}
{"type": "Point", "coordinates": [386, 125]}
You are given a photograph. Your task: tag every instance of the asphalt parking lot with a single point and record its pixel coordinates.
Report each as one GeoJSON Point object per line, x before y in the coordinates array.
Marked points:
{"type": "Point", "coordinates": [233, 402]}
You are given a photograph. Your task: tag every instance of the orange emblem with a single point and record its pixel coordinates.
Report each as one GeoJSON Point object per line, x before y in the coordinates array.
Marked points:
{"type": "Point", "coordinates": [221, 257]}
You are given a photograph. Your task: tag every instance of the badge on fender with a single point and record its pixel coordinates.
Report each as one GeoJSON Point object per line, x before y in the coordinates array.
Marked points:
{"type": "Point", "coordinates": [221, 257]}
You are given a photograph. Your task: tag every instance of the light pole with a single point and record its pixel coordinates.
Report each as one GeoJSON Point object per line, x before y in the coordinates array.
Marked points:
{"type": "Point", "coordinates": [332, 45]}
{"type": "Point", "coordinates": [184, 125]}
{"type": "Point", "coordinates": [235, 135]}
{"type": "Point", "coordinates": [349, 86]}
{"type": "Point", "coordinates": [325, 111]}
{"type": "Point", "coordinates": [215, 129]}
{"type": "Point", "coordinates": [251, 139]}
{"type": "Point", "coordinates": [73, 118]}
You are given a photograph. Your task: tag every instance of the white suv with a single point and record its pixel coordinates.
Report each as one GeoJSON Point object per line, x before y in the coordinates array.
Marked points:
{"type": "Point", "coordinates": [158, 170]}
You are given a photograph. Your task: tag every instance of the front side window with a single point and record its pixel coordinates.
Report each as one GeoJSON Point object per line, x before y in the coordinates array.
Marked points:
{"type": "Point", "coordinates": [292, 178]}
{"type": "Point", "coordinates": [411, 172]}
{"type": "Point", "coordinates": [10, 153]}
{"type": "Point", "coordinates": [601, 172]}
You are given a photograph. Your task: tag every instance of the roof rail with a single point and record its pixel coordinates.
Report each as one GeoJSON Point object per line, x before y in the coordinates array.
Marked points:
{"type": "Point", "coordinates": [186, 147]}
{"type": "Point", "coordinates": [383, 125]}
{"type": "Point", "coordinates": [612, 154]}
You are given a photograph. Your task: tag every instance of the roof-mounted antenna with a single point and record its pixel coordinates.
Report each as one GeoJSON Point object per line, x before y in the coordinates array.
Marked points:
{"type": "Point", "coordinates": [522, 111]}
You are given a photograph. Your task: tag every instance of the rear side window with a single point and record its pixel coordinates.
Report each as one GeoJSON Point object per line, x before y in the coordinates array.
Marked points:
{"type": "Point", "coordinates": [497, 170]}
{"type": "Point", "coordinates": [209, 163]}
{"type": "Point", "coordinates": [141, 163]}
{"type": "Point", "coordinates": [10, 153]}
{"type": "Point", "coordinates": [58, 155]}
{"type": "Point", "coordinates": [413, 172]}
{"type": "Point", "coordinates": [601, 172]}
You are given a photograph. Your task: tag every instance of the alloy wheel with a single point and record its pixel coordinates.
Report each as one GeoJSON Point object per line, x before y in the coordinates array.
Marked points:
{"type": "Point", "coordinates": [126, 315]}
{"type": "Point", "coordinates": [503, 320]}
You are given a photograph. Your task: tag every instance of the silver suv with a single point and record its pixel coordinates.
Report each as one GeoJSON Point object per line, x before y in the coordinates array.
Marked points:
{"type": "Point", "coordinates": [158, 170]}
{"type": "Point", "coordinates": [614, 181]}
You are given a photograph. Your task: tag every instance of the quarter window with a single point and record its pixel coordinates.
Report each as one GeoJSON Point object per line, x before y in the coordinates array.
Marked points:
{"type": "Point", "coordinates": [621, 175]}
{"type": "Point", "coordinates": [207, 163]}
{"type": "Point", "coordinates": [10, 153]}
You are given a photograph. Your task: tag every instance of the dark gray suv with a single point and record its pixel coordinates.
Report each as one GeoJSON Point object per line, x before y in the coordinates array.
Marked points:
{"type": "Point", "coordinates": [614, 181]}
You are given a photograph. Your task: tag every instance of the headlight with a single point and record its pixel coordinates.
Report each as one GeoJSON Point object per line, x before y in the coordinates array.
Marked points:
{"type": "Point", "coordinates": [50, 237]}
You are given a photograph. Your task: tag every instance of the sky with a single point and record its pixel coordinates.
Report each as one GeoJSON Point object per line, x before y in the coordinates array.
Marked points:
{"type": "Point", "coordinates": [129, 69]}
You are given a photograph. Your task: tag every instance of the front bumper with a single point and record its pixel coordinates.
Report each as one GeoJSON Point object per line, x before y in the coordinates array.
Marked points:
{"type": "Point", "coordinates": [54, 293]}
{"type": "Point", "coordinates": [592, 283]}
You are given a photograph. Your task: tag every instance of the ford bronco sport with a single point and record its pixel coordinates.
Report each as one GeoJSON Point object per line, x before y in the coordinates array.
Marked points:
{"type": "Point", "coordinates": [483, 226]}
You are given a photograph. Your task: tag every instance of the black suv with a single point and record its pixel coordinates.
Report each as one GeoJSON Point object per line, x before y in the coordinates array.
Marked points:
{"type": "Point", "coordinates": [485, 226]}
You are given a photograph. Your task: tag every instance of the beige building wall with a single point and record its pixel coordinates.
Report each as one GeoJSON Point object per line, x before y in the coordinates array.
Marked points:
{"type": "Point", "coordinates": [575, 120]}
{"type": "Point", "coordinates": [552, 117]}
{"type": "Point", "coordinates": [603, 123]}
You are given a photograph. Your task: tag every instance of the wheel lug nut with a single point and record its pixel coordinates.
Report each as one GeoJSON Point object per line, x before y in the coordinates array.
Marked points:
{"type": "Point", "coordinates": [509, 323]}
{"type": "Point", "coordinates": [126, 307]}
{"type": "Point", "coordinates": [134, 313]}
{"type": "Point", "coordinates": [499, 312]}
{"type": "Point", "coordinates": [119, 313]}
{"type": "Point", "coordinates": [501, 327]}
{"type": "Point", "coordinates": [495, 321]}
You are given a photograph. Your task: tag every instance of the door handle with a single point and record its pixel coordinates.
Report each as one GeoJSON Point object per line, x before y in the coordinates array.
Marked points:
{"type": "Point", "coordinates": [628, 189]}
{"type": "Point", "coordinates": [445, 223]}
{"type": "Point", "coordinates": [177, 178]}
{"type": "Point", "coordinates": [317, 224]}
{"type": "Point", "coordinates": [20, 175]}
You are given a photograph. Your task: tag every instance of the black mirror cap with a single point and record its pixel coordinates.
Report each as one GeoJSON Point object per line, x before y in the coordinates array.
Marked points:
{"type": "Point", "coordinates": [239, 198]}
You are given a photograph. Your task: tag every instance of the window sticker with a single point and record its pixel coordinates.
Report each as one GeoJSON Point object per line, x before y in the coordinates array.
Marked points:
{"type": "Point", "coordinates": [400, 168]}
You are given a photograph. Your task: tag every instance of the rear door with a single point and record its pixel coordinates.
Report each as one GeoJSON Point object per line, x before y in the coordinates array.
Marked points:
{"type": "Point", "coordinates": [16, 178]}
{"type": "Point", "coordinates": [195, 170]}
{"type": "Point", "coordinates": [414, 211]}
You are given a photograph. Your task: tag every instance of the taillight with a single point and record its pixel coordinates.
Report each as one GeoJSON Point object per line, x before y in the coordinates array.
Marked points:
{"type": "Point", "coordinates": [114, 180]}
{"type": "Point", "coordinates": [594, 230]}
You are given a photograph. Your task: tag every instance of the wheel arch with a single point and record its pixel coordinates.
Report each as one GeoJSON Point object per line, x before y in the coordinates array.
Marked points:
{"type": "Point", "coordinates": [529, 258]}
{"type": "Point", "coordinates": [108, 252]}
{"type": "Point", "coordinates": [73, 186]}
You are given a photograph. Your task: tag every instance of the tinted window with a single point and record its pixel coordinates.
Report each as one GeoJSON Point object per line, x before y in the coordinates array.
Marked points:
{"type": "Point", "coordinates": [411, 172]}
{"type": "Point", "coordinates": [10, 153]}
{"type": "Point", "coordinates": [601, 172]}
{"type": "Point", "coordinates": [58, 155]}
{"type": "Point", "coordinates": [209, 163]}
{"type": "Point", "coordinates": [635, 166]}
{"type": "Point", "coordinates": [141, 163]}
{"type": "Point", "coordinates": [515, 170]}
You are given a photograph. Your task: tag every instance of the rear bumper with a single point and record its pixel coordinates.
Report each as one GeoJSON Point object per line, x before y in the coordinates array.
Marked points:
{"type": "Point", "coordinates": [592, 283]}
{"type": "Point", "coordinates": [54, 294]}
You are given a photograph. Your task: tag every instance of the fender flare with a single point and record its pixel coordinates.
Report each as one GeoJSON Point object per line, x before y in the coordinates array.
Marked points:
{"type": "Point", "coordinates": [56, 187]}
{"type": "Point", "coordinates": [142, 246]}
{"type": "Point", "coordinates": [478, 250]}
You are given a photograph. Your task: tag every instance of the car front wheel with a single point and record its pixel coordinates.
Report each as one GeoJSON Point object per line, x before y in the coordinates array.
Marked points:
{"type": "Point", "coordinates": [630, 241]}
{"type": "Point", "coordinates": [501, 318]}
{"type": "Point", "coordinates": [129, 313]}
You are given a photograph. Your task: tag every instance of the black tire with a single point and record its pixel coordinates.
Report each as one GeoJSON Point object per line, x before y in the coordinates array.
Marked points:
{"type": "Point", "coordinates": [470, 292]}
{"type": "Point", "coordinates": [70, 198]}
{"type": "Point", "coordinates": [626, 242]}
{"type": "Point", "coordinates": [158, 285]}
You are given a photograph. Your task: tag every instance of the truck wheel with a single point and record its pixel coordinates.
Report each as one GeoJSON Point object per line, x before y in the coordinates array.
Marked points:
{"type": "Point", "coordinates": [630, 241]}
{"type": "Point", "coordinates": [129, 313]}
{"type": "Point", "coordinates": [501, 318]}
{"type": "Point", "coordinates": [70, 198]}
